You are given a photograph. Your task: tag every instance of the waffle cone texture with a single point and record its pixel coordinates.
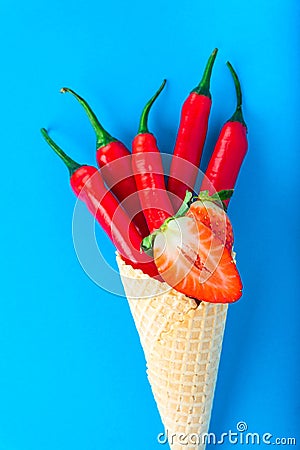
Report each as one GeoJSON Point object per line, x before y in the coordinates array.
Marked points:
{"type": "Point", "coordinates": [182, 344]}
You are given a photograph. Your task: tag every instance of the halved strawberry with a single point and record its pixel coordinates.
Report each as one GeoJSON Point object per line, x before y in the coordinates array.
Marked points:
{"type": "Point", "coordinates": [192, 260]}
{"type": "Point", "coordinates": [213, 216]}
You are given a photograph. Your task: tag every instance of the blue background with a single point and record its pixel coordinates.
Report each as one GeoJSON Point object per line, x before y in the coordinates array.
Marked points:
{"type": "Point", "coordinates": [72, 372]}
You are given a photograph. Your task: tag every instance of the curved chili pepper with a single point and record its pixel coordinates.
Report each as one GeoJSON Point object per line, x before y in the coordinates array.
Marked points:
{"type": "Point", "coordinates": [191, 137]}
{"type": "Point", "coordinates": [149, 173]}
{"type": "Point", "coordinates": [88, 186]}
{"type": "Point", "coordinates": [114, 159]}
{"type": "Point", "coordinates": [230, 149]}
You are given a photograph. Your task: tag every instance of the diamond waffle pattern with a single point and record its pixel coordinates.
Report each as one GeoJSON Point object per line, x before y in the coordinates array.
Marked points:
{"type": "Point", "coordinates": [182, 343]}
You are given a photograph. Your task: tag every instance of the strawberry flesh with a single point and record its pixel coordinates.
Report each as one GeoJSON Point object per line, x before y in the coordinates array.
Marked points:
{"type": "Point", "coordinates": [194, 261]}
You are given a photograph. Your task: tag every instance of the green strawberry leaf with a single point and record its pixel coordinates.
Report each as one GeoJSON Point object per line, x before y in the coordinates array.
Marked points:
{"type": "Point", "coordinates": [225, 194]}
{"type": "Point", "coordinates": [218, 198]}
{"type": "Point", "coordinates": [185, 205]}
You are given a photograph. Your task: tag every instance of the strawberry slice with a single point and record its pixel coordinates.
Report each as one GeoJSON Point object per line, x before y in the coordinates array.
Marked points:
{"type": "Point", "coordinates": [192, 260]}
{"type": "Point", "coordinates": [213, 216]}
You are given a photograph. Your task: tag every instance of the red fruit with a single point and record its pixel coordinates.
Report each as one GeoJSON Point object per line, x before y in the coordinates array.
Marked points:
{"type": "Point", "coordinates": [191, 259]}
{"type": "Point", "coordinates": [215, 218]}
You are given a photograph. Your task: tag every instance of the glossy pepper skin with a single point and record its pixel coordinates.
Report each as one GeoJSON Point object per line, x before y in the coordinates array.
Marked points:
{"type": "Point", "coordinates": [191, 137]}
{"type": "Point", "coordinates": [114, 159]}
{"type": "Point", "coordinates": [88, 186]}
{"type": "Point", "coordinates": [230, 149]}
{"type": "Point", "coordinates": [149, 173]}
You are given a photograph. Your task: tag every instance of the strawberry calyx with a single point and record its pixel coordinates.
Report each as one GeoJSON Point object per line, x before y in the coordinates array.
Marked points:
{"type": "Point", "coordinates": [217, 198]}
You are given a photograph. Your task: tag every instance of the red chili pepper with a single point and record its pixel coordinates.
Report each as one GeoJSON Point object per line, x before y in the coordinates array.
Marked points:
{"type": "Point", "coordinates": [191, 137]}
{"type": "Point", "coordinates": [230, 149]}
{"type": "Point", "coordinates": [149, 173]}
{"type": "Point", "coordinates": [88, 186]}
{"type": "Point", "coordinates": [114, 159]}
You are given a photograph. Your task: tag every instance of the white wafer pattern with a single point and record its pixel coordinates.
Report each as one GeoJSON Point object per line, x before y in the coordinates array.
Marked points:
{"type": "Point", "coordinates": [182, 345]}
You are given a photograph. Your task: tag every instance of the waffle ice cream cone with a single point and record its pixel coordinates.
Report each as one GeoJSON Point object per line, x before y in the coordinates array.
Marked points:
{"type": "Point", "coordinates": [182, 344]}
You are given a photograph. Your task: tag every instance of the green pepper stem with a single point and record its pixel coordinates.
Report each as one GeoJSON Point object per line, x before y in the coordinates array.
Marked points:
{"type": "Point", "coordinates": [102, 136]}
{"type": "Point", "coordinates": [69, 162]}
{"type": "Point", "coordinates": [203, 87]}
{"type": "Point", "coordinates": [143, 126]}
{"type": "Point", "coordinates": [238, 114]}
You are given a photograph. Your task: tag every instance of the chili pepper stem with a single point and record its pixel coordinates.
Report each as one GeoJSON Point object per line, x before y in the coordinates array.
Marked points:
{"type": "Point", "coordinates": [143, 126]}
{"type": "Point", "coordinates": [203, 87]}
{"type": "Point", "coordinates": [102, 136]}
{"type": "Point", "coordinates": [238, 114]}
{"type": "Point", "coordinates": [69, 162]}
